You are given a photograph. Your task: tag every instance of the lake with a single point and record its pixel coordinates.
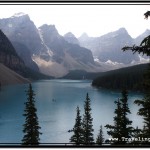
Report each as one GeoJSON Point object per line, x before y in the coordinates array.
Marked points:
{"type": "Point", "coordinates": [56, 102]}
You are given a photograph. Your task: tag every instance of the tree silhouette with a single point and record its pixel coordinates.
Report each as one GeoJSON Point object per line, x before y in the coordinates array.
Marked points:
{"type": "Point", "coordinates": [115, 130]}
{"type": "Point", "coordinates": [77, 137]}
{"type": "Point", "coordinates": [100, 137]}
{"type": "Point", "coordinates": [87, 123]}
{"type": "Point", "coordinates": [147, 14]}
{"type": "Point", "coordinates": [145, 107]}
{"type": "Point", "coordinates": [144, 47]}
{"type": "Point", "coordinates": [145, 102]}
{"type": "Point", "coordinates": [122, 124]}
{"type": "Point", "coordinates": [127, 130]}
{"type": "Point", "coordinates": [31, 126]}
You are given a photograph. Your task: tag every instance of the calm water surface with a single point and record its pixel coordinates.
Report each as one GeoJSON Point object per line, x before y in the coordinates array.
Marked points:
{"type": "Point", "coordinates": [56, 102]}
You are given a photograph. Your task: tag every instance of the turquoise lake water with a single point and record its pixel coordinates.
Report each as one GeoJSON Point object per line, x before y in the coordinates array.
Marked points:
{"type": "Point", "coordinates": [56, 102]}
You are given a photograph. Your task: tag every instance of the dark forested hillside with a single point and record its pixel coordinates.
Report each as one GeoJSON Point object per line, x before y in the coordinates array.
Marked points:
{"type": "Point", "coordinates": [81, 75]}
{"type": "Point", "coordinates": [130, 77]}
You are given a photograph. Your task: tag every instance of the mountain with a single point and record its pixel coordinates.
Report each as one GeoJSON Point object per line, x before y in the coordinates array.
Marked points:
{"type": "Point", "coordinates": [44, 49]}
{"type": "Point", "coordinates": [8, 76]}
{"type": "Point", "coordinates": [24, 35]}
{"type": "Point", "coordinates": [105, 47]}
{"type": "Point", "coordinates": [21, 29]}
{"type": "Point", "coordinates": [70, 38]}
{"type": "Point", "coordinates": [140, 38]}
{"type": "Point", "coordinates": [8, 55]}
{"type": "Point", "coordinates": [24, 53]}
{"type": "Point", "coordinates": [63, 56]}
{"type": "Point", "coordinates": [10, 58]}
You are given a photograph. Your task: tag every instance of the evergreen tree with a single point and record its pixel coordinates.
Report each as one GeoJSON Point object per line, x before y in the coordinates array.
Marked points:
{"type": "Point", "coordinates": [136, 134]}
{"type": "Point", "coordinates": [100, 137]}
{"type": "Point", "coordinates": [126, 128]}
{"type": "Point", "coordinates": [121, 127]}
{"type": "Point", "coordinates": [77, 137]}
{"type": "Point", "coordinates": [145, 106]}
{"type": "Point", "coordinates": [87, 122]}
{"type": "Point", "coordinates": [145, 102]}
{"type": "Point", "coordinates": [144, 46]}
{"type": "Point", "coordinates": [31, 126]}
{"type": "Point", "coordinates": [115, 130]}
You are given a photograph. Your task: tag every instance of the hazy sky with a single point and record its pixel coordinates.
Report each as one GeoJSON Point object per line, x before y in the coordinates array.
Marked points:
{"type": "Point", "coordinates": [95, 20]}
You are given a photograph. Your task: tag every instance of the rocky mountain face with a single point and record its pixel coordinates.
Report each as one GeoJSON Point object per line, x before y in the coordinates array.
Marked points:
{"type": "Point", "coordinates": [70, 38]}
{"type": "Point", "coordinates": [23, 34]}
{"type": "Point", "coordinates": [108, 47]}
{"type": "Point", "coordinates": [8, 55]}
{"type": "Point", "coordinates": [63, 56]}
{"type": "Point", "coordinates": [26, 56]}
{"type": "Point", "coordinates": [139, 39]}
{"type": "Point", "coordinates": [45, 48]}
{"type": "Point", "coordinates": [10, 59]}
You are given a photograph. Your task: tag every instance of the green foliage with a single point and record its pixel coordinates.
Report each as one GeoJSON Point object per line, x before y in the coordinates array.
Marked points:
{"type": "Point", "coordinates": [100, 137]}
{"type": "Point", "coordinates": [31, 126]}
{"type": "Point", "coordinates": [77, 137]}
{"type": "Point", "coordinates": [122, 124]}
{"type": "Point", "coordinates": [115, 130]}
{"type": "Point", "coordinates": [147, 14]}
{"type": "Point", "coordinates": [144, 47]}
{"type": "Point", "coordinates": [145, 105]}
{"type": "Point", "coordinates": [81, 74]}
{"type": "Point", "coordinates": [129, 77]}
{"type": "Point", "coordinates": [126, 128]}
{"type": "Point", "coordinates": [87, 123]}
{"type": "Point", "coordinates": [136, 134]}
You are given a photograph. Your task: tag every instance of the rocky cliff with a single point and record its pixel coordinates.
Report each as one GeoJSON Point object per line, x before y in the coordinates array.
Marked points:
{"type": "Point", "coordinates": [63, 56]}
{"type": "Point", "coordinates": [21, 30]}
{"type": "Point", "coordinates": [8, 55]}
{"type": "Point", "coordinates": [108, 47]}
{"type": "Point", "coordinates": [46, 47]}
{"type": "Point", "coordinates": [70, 38]}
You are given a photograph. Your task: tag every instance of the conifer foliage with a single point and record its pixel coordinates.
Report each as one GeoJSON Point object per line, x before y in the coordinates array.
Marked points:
{"type": "Point", "coordinates": [87, 122]}
{"type": "Point", "coordinates": [126, 128]}
{"type": "Point", "coordinates": [144, 104]}
{"type": "Point", "coordinates": [100, 137]}
{"type": "Point", "coordinates": [115, 130]}
{"type": "Point", "coordinates": [144, 47]}
{"type": "Point", "coordinates": [122, 125]}
{"type": "Point", "coordinates": [31, 126]}
{"type": "Point", "coordinates": [77, 137]}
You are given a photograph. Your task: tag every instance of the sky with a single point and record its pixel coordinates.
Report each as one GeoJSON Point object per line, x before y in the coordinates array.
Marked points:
{"type": "Point", "coordinates": [95, 20]}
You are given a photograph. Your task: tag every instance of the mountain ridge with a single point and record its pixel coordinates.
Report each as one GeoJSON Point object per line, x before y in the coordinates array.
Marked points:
{"type": "Point", "coordinates": [51, 53]}
{"type": "Point", "coordinates": [56, 55]}
{"type": "Point", "coordinates": [105, 46]}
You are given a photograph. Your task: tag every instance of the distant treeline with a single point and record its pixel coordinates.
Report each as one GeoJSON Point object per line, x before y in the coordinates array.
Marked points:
{"type": "Point", "coordinates": [80, 74]}
{"type": "Point", "coordinates": [129, 77]}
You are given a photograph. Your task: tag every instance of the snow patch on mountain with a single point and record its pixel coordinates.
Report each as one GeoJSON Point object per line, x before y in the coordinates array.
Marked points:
{"type": "Point", "coordinates": [18, 14]}
{"type": "Point", "coordinates": [49, 51]}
